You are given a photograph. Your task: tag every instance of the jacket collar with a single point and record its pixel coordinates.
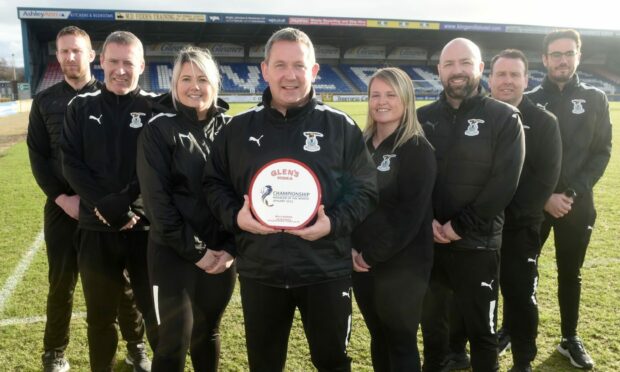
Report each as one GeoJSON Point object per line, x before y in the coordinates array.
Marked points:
{"type": "Point", "coordinates": [219, 108]}
{"type": "Point", "coordinates": [547, 84]}
{"type": "Point", "coordinates": [291, 113]}
{"type": "Point", "coordinates": [86, 88]}
{"type": "Point", "coordinates": [466, 104]}
{"type": "Point", "coordinates": [114, 98]}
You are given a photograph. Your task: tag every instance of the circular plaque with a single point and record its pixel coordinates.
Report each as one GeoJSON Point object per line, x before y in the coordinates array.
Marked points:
{"type": "Point", "coordinates": [285, 194]}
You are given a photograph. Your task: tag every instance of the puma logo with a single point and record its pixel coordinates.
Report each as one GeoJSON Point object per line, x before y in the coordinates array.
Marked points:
{"type": "Point", "coordinates": [254, 139]}
{"type": "Point", "coordinates": [97, 119]}
{"type": "Point", "coordinates": [346, 294]}
{"type": "Point", "coordinates": [532, 260]}
{"type": "Point", "coordinates": [490, 285]}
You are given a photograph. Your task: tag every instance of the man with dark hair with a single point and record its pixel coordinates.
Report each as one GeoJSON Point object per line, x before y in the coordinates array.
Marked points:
{"type": "Point", "coordinates": [99, 143]}
{"type": "Point", "coordinates": [309, 268]}
{"type": "Point", "coordinates": [585, 128]}
{"type": "Point", "coordinates": [521, 235]}
{"type": "Point", "coordinates": [479, 147]}
{"type": "Point", "coordinates": [74, 54]}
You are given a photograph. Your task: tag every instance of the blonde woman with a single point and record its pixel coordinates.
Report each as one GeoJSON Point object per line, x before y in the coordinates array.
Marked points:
{"type": "Point", "coordinates": [392, 255]}
{"type": "Point", "coordinates": [189, 257]}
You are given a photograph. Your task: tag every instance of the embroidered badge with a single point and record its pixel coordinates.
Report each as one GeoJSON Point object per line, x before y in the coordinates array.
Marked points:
{"type": "Point", "coordinates": [136, 120]}
{"type": "Point", "coordinates": [472, 129]}
{"type": "Point", "coordinates": [385, 164]}
{"type": "Point", "coordinates": [578, 106]}
{"type": "Point", "coordinates": [312, 142]}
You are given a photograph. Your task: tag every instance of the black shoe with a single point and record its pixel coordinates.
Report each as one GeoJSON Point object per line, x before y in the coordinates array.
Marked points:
{"type": "Point", "coordinates": [54, 361]}
{"type": "Point", "coordinates": [455, 361]}
{"type": "Point", "coordinates": [573, 349]}
{"type": "Point", "coordinates": [136, 357]}
{"type": "Point", "coordinates": [503, 343]}
{"type": "Point", "coordinates": [521, 368]}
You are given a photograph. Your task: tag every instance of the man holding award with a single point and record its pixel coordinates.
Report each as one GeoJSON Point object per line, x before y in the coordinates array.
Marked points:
{"type": "Point", "coordinates": [291, 178]}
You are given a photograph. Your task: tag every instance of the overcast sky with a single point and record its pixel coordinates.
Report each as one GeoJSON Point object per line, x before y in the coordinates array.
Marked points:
{"type": "Point", "coordinates": [598, 14]}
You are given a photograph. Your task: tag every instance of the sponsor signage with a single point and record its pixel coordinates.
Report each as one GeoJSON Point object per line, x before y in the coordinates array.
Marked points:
{"type": "Point", "coordinates": [418, 25]}
{"type": "Point", "coordinates": [161, 17]}
{"type": "Point", "coordinates": [366, 52]}
{"type": "Point", "coordinates": [408, 53]}
{"type": "Point", "coordinates": [246, 18]}
{"type": "Point", "coordinates": [326, 51]}
{"type": "Point", "coordinates": [224, 49]}
{"type": "Point", "coordinates": [316, 21]}
{"type": "Point", "coordinates": [164, 49]}
{"type": "Point", "coordinates": [257, 51]}
{"type": "Point", "coordinates": [472, 27]}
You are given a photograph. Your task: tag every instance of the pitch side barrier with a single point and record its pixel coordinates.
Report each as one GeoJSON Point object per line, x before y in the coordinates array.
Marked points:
{"type": "Point", "coordinates": [14, 107]}
{"type": "Point", "coordinates": [325, 97]}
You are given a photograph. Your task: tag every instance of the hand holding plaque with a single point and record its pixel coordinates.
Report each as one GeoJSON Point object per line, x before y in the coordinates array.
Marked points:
{"type": "Point", "coordinates": [285, 194]}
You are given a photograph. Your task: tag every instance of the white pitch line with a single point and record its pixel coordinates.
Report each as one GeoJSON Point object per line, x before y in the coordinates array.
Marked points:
{"type": "Point", "coordinates": [35, 319]}
{"type": "Point", "coordinates": [18, 273]}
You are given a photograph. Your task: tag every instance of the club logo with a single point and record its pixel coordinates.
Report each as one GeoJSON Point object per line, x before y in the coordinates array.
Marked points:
{"type": "Point", "coordinates": [472, 129]}
{"type": "Point", "coordinates": [136, 120]}
{"type": "Point", "coordinates": [578, 106]}
{"type": "Point", "coordinates": [97, 119]}
{"type": "Point", "coordinates": [385, 164]}
{"type": "Point", "coordinates": [254, 139]}
{"type": "Point", "coordinates": [264, 193]}
{"type": "Point", "coordinates": [312, 142]}
{"type": "Point", "coordinates": [489, 285]}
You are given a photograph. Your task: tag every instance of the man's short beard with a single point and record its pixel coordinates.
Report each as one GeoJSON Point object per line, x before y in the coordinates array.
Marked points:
{"type": "Point", "coordinates": [465, 91]}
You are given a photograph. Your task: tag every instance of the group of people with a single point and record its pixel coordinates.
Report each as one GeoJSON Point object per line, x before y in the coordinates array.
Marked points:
{"type": "Point", "coordinates": [148, 201]}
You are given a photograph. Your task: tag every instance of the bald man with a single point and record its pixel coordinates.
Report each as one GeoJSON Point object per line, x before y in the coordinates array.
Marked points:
{"type": "Point", "coordinates": [479, 145]}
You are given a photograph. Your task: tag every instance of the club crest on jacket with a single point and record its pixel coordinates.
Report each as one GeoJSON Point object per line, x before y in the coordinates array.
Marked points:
{"type": "Point", "coordinates": [385, 164]}
{"type": "Point", "coordinates": [136, 120]}
{"type": "Point", "coordinates": [312, 141]}
{"type": "Point", "coordinates": [472, 129]}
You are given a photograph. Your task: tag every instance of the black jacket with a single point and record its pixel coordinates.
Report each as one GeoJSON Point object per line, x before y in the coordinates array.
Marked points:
{"type": "Point", "coordinates": [585, 127]}
{"type": "Point", "coordinates": [99, 144]}
{"type": "Point", "coordinates": [342, 165]}
{"type": "Point", "coordinates": [541, 169]}
{"type": "Point", "coordinates": [400, 230]}
{"type": "Point", "coordinates": [172, 152]}
{"type": "Point", "coordinates": [47, 116]}
{"type": "Point", "coordinates": [480, 149]}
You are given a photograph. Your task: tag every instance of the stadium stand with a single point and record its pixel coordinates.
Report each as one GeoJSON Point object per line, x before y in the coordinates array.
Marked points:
{"type": "Point", "coordinates": [52, 75]}
{"type": "Point", "coordinates": [246, 78]}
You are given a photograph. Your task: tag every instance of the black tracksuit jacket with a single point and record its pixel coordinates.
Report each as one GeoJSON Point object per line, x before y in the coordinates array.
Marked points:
{"type": "Point", "coordinates": [480, 150]}
{"type": "Point", "coordinates": [99, 144]}
{"type": "Point", "coordinates": [172, 152]}
{"type": "Point", "coordinates": [342, 165]}
{"type": "Point", "coordinates": [47, 116]}
{"type": "Point", "coordinates": [400, 229]}
{"type": "Point", "coordinates": [541, 169]}
{"type": "Point", "coordinates": [585, 127]}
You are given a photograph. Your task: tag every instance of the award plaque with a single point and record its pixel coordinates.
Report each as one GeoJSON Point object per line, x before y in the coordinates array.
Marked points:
{"type": "Point", "coordinates": [285, 194]}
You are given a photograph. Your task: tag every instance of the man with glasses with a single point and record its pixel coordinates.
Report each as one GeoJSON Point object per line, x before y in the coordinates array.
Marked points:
{"type": "Point", "coordinates": [585, 128]}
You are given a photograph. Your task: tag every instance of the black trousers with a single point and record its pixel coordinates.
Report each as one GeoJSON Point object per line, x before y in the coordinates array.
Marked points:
{"type": "Point", "coordinates": [189, 304]}
{"type": "Point", "coordinates": [572, 236]}
{"type": "Point", "coordinates": [103, 258]}
{"type": "Point", "coordinates": [390, 297]}
{"type": "Point", "coordinates": [325, 313]}
{"type": "Point", "coordinates": [471, 277]}
{"type": "Point", "coordinates": [518, 281]}
{"type": "Point", "coordinates": [59, 230]}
